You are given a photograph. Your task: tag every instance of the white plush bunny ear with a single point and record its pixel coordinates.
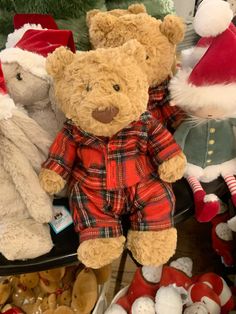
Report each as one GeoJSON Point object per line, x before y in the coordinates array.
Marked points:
{"type": "Point", "coordinates": [6, 103]}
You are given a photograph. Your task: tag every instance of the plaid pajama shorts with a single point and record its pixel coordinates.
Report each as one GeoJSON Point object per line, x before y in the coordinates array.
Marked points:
{"type": "Point", "coordinates": [96, 213]}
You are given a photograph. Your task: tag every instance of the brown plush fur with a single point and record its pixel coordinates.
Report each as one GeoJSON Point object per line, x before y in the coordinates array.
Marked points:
{"type": "Point", "coordinates": [51, 181]}
{"type": "Point", "coordinates": [90, 255]}
{"type": "Point", "coordinates": [85, 292]}
{"type": "Point", "coordinates": [177, 164]}
{"type": "Point", "coordinates": [152, 248]}
{"type": "Point", "coordinates": [87, 83]}
{"type": "Point", "coordinates": [84, 83]}
{"type": "Point", "coordinates": [107, 29]}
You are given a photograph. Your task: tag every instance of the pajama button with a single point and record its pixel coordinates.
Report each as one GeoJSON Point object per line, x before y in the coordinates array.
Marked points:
{"type": "Point", "coordinates": [211, 142]}
{"type": "Point", "coordinates": [212, 130]}
{"type": "Point", "coordinates": [210, 152]}
{"type": "Point", "coordinates": [208, 161]}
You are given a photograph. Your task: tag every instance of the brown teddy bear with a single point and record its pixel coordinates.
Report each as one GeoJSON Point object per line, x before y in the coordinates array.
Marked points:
{"type": "Point", "coordinates": [114, 28]}
{"type": "Point", "coordinates": [114, 155]}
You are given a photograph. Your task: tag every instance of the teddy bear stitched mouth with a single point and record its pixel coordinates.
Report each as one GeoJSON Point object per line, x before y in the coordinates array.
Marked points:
{"type": "Point", "coordinates": [106, 115]}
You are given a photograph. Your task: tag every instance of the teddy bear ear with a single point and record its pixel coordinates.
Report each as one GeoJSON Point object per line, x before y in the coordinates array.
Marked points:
{"type": "Point", "coordinates": [173, 27]}
{"type": "Point", "coordinates": [135, 49]}
{"type": "Point", "coordinates": [90, 15]}
{"type": "Point", "coordinates": [103, 21]}
{"type": "Point", "coordinates": [58, 60]}
{"type": "Point", "coordinates": [137, 8]}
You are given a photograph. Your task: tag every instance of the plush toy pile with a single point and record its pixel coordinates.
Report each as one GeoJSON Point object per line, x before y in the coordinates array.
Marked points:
{"type": "Point", "coordinates": [63, 290]}
{"type": "Point", "coordinates": [173, 290]}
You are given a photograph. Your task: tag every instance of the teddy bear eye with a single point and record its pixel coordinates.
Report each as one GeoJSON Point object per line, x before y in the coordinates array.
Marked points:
{"type": "Point", "coordinates": [18, 77]}
{"type": "Point", "coordinates": [116, 87]}
{"type": "Point", "coordinates": [88, 88]}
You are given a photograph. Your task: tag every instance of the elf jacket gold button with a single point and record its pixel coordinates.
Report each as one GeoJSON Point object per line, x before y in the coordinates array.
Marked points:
{"type": "Point", "coordinates": [210, 152]}
{"type": "Point", "coordinates": [211, 142]}
{"type": "Point", "coordinates": [208, 161]}
{"type": "Point", "coordinates": [212, 130]}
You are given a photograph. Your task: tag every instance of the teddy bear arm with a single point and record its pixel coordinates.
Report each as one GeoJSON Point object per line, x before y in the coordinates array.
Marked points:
{"type": "Point", "coordinates": [172, 169]}
{"type": "Point", "coordinates": [51, 182]}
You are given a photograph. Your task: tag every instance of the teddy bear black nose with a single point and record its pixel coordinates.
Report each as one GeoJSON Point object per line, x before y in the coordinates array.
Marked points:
{"type": "Point", "coordinates": [106, 115]}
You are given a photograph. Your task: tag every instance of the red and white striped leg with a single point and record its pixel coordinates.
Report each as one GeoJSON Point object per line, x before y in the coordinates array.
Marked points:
{"type": "Point", "coordinates": [206, 206]}
{"type": "Point", "coordinates": [231, 183]}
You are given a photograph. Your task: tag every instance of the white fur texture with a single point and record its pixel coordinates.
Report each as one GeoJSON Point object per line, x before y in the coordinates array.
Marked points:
{"type": "Point", "coordinates": [164, 305]}
{"type": "Point", "coordinates": [6, 107]}
{"type": "Point", "coordinates": [196, 308]}
{"type": "Point", "coordinates": [115, 309]}
{"type": "Point", "coordinates": [212, 18]}
{"type": "Point", "coordinates": [143, 305]}
{"type": "Point", "coordinates": [152, 273]}
{"type": "Point", "coordinates": [210, 173]}
{"type": "Point", "coordinates": [224, 232]}
{"type": "Point", "coordinates": [187, 95]}
{"type": "Point", "coordinates": [208, 198]}
{"type": "Point", "coordinates": [14, 37]}
{"type": "Point", "coordinates": [232, 224]}
{"type": "Point", "coordinates": [24, 206]}
{"type": "Point", "coordinates": [191, 56]}
{"type": "Point", "coordinates": [30, 61]}
{"type": "Point", "coordinates": [184, 264]}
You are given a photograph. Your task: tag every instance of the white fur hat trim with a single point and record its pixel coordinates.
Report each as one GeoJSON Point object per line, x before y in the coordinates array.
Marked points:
{"type": "Point", "coordinates": [13, 38]}
{"type": "Point", "coordinates": [32, 62]}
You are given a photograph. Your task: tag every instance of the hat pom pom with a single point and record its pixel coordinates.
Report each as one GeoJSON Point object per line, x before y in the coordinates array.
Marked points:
{"type": "Point", "coordinates": [212, 18]}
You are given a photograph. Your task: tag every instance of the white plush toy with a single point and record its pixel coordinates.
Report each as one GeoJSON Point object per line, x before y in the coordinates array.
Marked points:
{"type": "Point", "coordinates": [25, 209]}
{"type": "Point", "coordinates": [23, 65]}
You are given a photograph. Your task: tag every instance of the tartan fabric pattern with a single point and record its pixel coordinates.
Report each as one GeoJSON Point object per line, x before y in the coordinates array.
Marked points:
{"type": "Point", "coordinates": [111, 163]}
{"type": "Point", "coordinates": [159, 106]}
{"type": "Point", "coordinates": [96, 213]}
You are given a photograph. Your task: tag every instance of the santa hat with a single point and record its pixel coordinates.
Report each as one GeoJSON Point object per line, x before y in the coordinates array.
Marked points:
{"type": "Point", "coordinates": [212, 80]}
{"type": "Point", "coordinates": [6, 103]}
{"type": "Point", "coordinates": [32, 49]}
{"type": "Point", "coordinates": [24, 22]}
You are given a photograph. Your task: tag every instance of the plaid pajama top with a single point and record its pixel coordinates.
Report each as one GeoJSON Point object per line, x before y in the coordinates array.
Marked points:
{"type": "Point", "coordinates": [159, 106]}
{"type": "Point", "coordinates": [111, 163]}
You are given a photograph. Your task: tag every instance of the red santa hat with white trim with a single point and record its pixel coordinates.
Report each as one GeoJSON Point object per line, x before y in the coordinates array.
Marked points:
{"type": "Point", "coordinates": [212, 80]}
{"type": "Point", "coordinates": [6, 103]}
{"type": "Point", "coordinates": [24, 22]}
{"type": "Point", "coordinates": [31, 50]}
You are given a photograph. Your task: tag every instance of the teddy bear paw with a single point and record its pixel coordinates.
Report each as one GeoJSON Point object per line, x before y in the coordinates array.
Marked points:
{"type": "Point", "coordinates": [51, 182]}
{"type": "Point", "coordinates": [152, 247]}
{"type": "Point", "coordinates": [173, 169]}
{"type": "Point", "coordinates": [96, 253]}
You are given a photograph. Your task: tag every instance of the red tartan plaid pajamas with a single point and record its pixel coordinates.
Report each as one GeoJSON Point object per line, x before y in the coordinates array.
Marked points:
{"type": "Point", "coordinates": [159, 106]}
{"type": "Point", "coordinates": [96, 213]}
{"type": "Point", "coordinates": [110, 176]}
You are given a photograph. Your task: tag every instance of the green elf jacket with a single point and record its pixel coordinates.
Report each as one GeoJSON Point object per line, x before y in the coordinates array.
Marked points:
{"type": "Point", "coordinates": [210, 147]}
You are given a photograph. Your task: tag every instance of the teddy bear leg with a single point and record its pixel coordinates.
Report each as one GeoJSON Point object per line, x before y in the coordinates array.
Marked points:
{"type": "Point", "coordinates": [96, 253]}
{"type": "Point", "coordinates": [24, 238]}
{"type": "Point", "coordinates": [206, 206]}
{"type": "Point", "coordinates": [152, 247]}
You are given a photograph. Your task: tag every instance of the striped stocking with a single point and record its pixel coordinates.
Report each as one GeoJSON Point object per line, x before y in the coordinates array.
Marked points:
{"type": "Point", "coordinates": [206, 206]}
{"type": "Point", "coordinates": [231, 183]}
